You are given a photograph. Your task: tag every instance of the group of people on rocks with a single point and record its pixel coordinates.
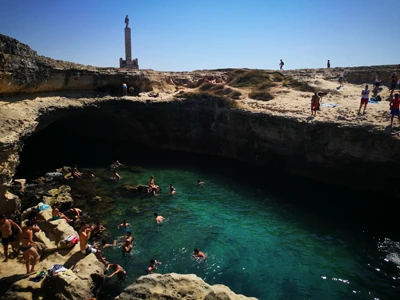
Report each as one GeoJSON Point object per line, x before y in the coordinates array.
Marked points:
{"type": "Point", "coordinates": [21, 239]}
{"type": "Point", "coordinates": [365, 95]}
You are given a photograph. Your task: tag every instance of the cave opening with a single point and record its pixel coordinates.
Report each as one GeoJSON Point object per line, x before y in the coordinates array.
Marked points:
{"type": "Point", "coordinates": [96, 138]}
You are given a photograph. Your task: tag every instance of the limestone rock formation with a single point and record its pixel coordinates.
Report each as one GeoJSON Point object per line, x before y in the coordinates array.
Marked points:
{"type": "Point", "coordinates": [176, 286]}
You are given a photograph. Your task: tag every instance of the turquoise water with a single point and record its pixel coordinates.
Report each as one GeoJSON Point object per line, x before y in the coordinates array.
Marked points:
{"type": "Point", "coordinates": [259, 240]}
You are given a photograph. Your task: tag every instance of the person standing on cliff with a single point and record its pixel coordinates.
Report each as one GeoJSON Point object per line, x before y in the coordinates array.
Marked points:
{"type": "Point", "coordinates": [281, 64]}
{"type": "Point", "coordinates": [7, 234]}
{"type": "Point", "coordinates": [393, 83]}
{"type": "Point", "coordinates": [341, 78]}
{"type": "Point", "coordinates": [364, 99]}
{"type": "Point", "coordinates": [314, 104]}
{"type": "Point", "coordinates": [394, 108]}
{"type": "Point", "coordinates": [328, 64]}
{"type": "Point", "coordinates": [124, 89]}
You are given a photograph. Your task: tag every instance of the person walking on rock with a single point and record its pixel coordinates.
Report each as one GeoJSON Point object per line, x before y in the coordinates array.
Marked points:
{"type": "Point", "coordinates": [314, 104]}
{"type": "Point", "coordinates": [341, 78]}
{"type": "Point", "coordinates": [30, 254]}
{"type": "Point", "coordinates": [7, 234]}
{"type": "Point", "coordinates": [281, 64]}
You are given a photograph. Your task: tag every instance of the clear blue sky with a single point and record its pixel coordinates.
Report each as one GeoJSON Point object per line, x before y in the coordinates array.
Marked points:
{"type": "Point", "coordinates": [184, 35]}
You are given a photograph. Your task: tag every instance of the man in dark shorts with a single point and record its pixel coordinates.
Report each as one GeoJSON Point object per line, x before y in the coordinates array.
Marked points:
{"type": "Point", "coordinates": [394, 108]}
{"type": "Point", "coordinates": [7, 235]}
{"type": "Point", "coordinates": [86, 248]}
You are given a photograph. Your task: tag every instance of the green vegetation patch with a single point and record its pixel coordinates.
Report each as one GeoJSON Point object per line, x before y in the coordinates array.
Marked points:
{"type": "Point", "coordinates": [247, 78]}
{"type": "Point", "coordinates": [261, 95]}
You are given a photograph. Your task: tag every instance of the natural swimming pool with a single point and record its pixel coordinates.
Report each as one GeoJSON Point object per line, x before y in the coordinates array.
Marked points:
{"type": "Point", "coordinates": [268, 239]}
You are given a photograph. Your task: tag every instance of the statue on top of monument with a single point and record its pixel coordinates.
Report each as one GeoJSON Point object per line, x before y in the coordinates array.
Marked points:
{"type": "Point", "coordinates": [127, 21]}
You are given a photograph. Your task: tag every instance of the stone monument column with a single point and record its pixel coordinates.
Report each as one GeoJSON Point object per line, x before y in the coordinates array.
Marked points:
{"type": "Point", "coordinates": [128, 50]}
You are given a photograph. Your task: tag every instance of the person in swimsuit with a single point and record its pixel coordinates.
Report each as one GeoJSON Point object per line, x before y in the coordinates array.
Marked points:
{"type": "Point", "coordinates": [364, 99]}
{"type": "Point", "coordinates": [127, 247]}
{"type": "Point", "coordinates": [57, 215]}
{"type": "Point", "coordinates": [118, 270]}
{"type": "Point", "coordinates": [152, 266]}
{"type": "Point", "coordinates": [159, 219]}
{"type": "Point", "coordinates": [7, 235]}
{"type": "Point", "coordinates": [77, 212]}
{"type": "Point", "coordinates": [98, 228]}
{"type": "Point", "coordinates": [314, 104]}
{"type": "Point", "coordinates": [84, 235]}
{"type": "Point", "coordinates": [197, 254]}
{"type": "Point", "coordinates": [172, 190]}
{"type": "Point", "coordinates": [394, 108]}
{"type": "Point", "coordinates": [30, 254]}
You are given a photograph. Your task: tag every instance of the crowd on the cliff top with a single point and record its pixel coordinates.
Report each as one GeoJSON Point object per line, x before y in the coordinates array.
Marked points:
{"type": "Point", "coordinates": [21, 235]}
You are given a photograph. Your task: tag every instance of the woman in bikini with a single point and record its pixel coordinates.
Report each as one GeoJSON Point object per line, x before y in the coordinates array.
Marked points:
{"type": "Point", "coordinates": [30, 254]}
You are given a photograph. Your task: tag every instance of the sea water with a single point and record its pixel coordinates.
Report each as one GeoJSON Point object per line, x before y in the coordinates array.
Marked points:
{"type": "Point", "coordinates": [265, 236]}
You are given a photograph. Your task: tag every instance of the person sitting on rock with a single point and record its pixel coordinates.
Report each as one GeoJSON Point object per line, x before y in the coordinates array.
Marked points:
{"type": "Point", "coordinates": [152, 266]}
{"type": "Point", "coordinates": [86, 248]}
{"type": "Point", "coordinates": [30, 254]}
{"type": "Point", "coordinates": [118, 270]}
{"type": "Point", "coordinates": [152, 184]}
{"type": "Point", "coordinates": [75, 173]}
{"type": "Point", "coordinates": [57, 215]}
{"type": "Point", "coordinates": [124, 224]}
{"type": "Point", "coordinates": [116, 165]}
{"type": "Point", "coordinates": [35, 218]}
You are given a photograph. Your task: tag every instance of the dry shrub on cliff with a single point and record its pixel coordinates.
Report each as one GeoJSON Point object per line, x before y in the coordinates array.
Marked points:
{"type": "Point", "coordinates": [302, 86]}
{"type": "Point", "coordinates": [220, 90]}
{"type": "Point", "coordinates": [247, 78]}
{"type": "Point", "coordinates": [261, 95]}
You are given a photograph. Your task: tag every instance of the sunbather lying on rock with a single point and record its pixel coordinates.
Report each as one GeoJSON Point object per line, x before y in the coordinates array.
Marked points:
{"type": "Point", "coordinates": [57, 215]}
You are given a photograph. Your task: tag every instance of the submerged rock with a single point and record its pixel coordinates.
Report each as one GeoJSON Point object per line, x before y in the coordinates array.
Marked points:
{"type": "Point", "coordinates": [177, 286]}
{"type": "Point", "coordinates": [140, 188]}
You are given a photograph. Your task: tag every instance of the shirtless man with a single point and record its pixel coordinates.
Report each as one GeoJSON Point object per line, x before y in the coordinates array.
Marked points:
{"type": "Point", "coordinates": [118, 270]}
{"type": "Point", "coordinates": [7, 235]}
{"type": "Point", "coordinates": [200, 182]}
{"type": "Point", "coordinates": [84, 235]}
{"type": "Point", "coordinates": [152, 266]}
{"type": "Point", "coordinates": [57, 215]}
{"type": "Point", "coordinates": [159, 219]}
{"type": "Point", "coordinates": [198, 254]}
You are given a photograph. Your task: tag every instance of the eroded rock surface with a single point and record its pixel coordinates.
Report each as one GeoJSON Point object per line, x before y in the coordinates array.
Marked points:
{"type": "Point", "coordinates": [176, 286]}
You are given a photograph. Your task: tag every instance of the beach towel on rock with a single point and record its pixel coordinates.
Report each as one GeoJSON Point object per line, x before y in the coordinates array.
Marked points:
{"type": "Point", "coordinates": [373, 101]}
{"type": "Point", "coordinates": [55, 269]}
{"type": "Point", "coordinates": [331, 105]}
{"type": "Point", "coordinates": [67, 275]}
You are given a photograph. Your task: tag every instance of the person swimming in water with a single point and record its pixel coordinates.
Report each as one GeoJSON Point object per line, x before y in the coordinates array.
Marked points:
{"type": "Point", "coordinates": [124, 224]}
{"type": "Point", "coordinates": [152, 266]}
{"type": "Point", "coordinates": [200, 183]}
{"type": "Point", "coordinates": [159, 219]}
{"type": "Point", "coordinates": [172, 190]}
{"type": "Point", "coordinates": [197, 254]}
{"type": "Point", "coordinates": [116, 176]}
